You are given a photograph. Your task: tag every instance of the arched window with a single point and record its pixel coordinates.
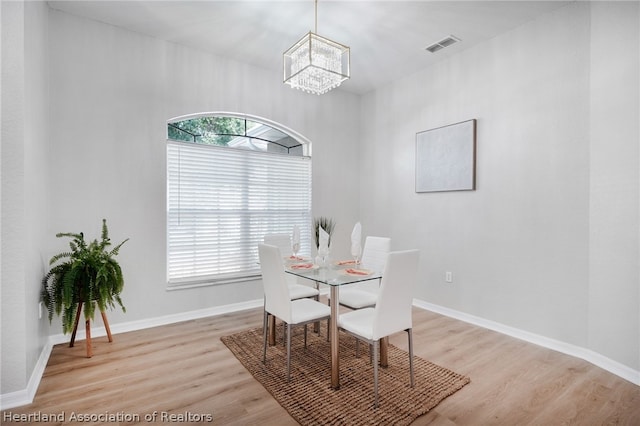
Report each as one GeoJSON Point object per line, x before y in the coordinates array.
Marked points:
{"type": "Point", "coordinates": [231, 179]}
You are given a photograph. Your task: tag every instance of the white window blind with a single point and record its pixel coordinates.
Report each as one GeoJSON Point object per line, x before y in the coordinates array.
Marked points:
{"type": "Point", "coordinates": [220, 204]}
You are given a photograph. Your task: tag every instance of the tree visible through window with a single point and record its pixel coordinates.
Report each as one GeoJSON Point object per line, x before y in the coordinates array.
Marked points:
{"type": "Point", "coordinates": [229, 183]}
{"type": "Point", "coordinates": [234, 132]}
{"type": "Point", "coordinates": [209, 130]}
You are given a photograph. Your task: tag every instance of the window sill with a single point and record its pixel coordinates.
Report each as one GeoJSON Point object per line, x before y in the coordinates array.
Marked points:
{"type": "Point", "coordinates": [208, 282]}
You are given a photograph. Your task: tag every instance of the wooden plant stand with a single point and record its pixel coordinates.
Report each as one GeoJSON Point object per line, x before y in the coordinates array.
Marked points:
{"type": "Point", "coordinates": [88, 330]}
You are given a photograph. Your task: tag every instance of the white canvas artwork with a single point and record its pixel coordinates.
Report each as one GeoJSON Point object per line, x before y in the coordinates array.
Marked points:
{"type": "Point", "coordinates": [445, 158]}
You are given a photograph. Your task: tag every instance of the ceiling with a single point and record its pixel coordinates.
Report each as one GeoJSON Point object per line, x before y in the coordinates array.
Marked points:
{"type": "Point", "coordinates": [387, 38]}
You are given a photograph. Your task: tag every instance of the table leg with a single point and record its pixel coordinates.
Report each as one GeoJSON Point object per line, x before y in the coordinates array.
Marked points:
{"type": "Point", "coordinates": [272, 330]}
{"type": "Point", "coordinates": [335, 360]}
{"type": "Point", "coordinates": [384, 352]}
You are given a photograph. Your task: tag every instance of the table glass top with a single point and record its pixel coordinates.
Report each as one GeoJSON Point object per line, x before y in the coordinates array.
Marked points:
{"type": "Point", "coordinates": [335, 275]}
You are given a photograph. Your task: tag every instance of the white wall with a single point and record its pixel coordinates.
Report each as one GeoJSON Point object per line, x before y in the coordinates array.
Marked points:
{"type": "Point", "coordinates": [614, 288]}
{"type": "Point", "coordinates": [36, 166]}
{"type": "Point", "coordinates": [548, 243]}
{"type": "Point", "coordinates": [14, 369]}
{"type": "Point", "coordinates": [24, 186]}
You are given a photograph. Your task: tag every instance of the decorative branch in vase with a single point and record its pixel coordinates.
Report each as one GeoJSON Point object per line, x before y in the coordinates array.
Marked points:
{"type": "Point", "coordinates": [325, 223]}
{"type": "Point", "coordinates": [323, 230]}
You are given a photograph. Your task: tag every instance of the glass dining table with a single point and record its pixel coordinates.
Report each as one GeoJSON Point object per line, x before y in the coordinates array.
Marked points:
{"type": "Point", "coordinates": [336, 276]}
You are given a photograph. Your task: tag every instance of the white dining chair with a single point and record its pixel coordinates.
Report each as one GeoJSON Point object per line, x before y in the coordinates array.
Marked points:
{"type": "Point", "coordinates": [277, 301]}
{"type": "Point", "coordinates": [392, 312]}
{"type": "Point", "coordinates": [282, 241]}
{"type": "Point", "coordinates": [374, 257]}
{"type": "Point", "coordinates": [296, 290]}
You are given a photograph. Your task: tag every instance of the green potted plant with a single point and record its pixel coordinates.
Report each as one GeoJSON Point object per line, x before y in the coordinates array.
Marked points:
{"type": "Point", "coordinates": [87, 275]}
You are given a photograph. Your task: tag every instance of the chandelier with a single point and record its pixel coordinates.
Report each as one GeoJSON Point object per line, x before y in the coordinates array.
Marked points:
{"type": "Point", "coordinates": [316, 64]}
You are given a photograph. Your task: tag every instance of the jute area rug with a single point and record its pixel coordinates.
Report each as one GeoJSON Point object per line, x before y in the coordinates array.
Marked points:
{"type": "Point", "coordinates": [309, 397]}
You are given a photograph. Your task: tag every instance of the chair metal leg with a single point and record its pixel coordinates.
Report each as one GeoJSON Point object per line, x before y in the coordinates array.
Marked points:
{"type": "Point", "coordinates": [288, 352]}
{"type": "Point", "coordinates": [264, 337]}
{"type": "Point", "coordinates": [375, 372]}
{"type": "Point", "coordinates": [410, 354]}
{"type": "Point", "coordinates": [305, 336]}
{"type": "Point", "coordinates": [316, 325]}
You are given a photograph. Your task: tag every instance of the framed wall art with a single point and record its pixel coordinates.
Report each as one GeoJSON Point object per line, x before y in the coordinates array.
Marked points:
{"type": "Point", "coordinates": [446, 158]}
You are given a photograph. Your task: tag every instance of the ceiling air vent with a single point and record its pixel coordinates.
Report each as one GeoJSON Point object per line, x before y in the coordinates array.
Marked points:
{"type": "Point", "coordinates": [447, 41]}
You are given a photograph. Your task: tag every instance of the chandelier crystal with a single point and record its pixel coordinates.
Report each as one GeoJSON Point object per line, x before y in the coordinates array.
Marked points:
{"type": "Point", "coordinates": [316, 64]}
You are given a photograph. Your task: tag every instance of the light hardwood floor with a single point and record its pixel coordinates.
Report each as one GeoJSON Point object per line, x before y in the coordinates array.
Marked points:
{"type": "Point", "coordinates": [185, 370]}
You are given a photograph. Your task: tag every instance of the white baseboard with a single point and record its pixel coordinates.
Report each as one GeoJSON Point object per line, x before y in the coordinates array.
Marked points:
{"type": "Point", "coordinates": [588, 355]}
{"type": "Point", "coordinates": [25, 396]}
{"type": "Point", "coordinates": [158, 321]}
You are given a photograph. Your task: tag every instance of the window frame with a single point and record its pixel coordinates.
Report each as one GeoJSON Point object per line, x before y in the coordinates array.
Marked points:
{"type": "Point", "coordinates": [249, 274]}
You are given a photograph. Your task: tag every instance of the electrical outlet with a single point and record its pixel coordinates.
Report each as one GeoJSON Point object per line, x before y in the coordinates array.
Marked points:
{"type": "Point", "coordinates": [448, 277]}
{"type": "Point", "coordinates": [39, 310]}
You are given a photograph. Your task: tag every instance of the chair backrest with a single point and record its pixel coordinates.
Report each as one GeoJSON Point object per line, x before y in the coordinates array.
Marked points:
{"type": "Point", "coordinates": [393, 308]}
{"type": "Point", "coordinates": [277, 300]}
{"type": "Point", "coordinates": [282, 241]}
{"type": "Point", "coordinates": [375, 251]}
